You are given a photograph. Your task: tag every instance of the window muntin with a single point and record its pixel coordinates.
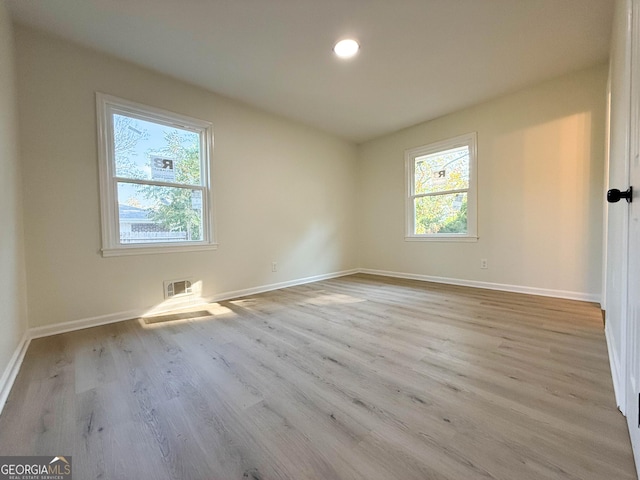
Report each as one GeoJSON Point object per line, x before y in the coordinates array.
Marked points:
{"type": "Point", "coordinates": [155, 185]}
{"type": "Point", "coordinates": [441, 190]}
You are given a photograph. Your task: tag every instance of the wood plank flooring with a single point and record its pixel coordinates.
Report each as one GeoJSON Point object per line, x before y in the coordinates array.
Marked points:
{"type": "Point", "coordinates": [359, 377]}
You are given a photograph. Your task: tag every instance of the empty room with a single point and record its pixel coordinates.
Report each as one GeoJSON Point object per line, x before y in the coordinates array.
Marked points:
{"type": "Point", "coordinates": [337, 239]}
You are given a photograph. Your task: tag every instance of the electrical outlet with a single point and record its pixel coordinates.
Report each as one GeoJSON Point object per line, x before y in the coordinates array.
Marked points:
{"type": "Point", "coordinates": [484, 263]}
{"type": "Point", "coordinates": [274, 267]}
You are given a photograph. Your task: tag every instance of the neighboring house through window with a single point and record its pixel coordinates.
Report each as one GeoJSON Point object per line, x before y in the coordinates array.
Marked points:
{"type": "Point", "coordinates": [441, 190]}
{"type": "Point", "coordinates": [155, 186]}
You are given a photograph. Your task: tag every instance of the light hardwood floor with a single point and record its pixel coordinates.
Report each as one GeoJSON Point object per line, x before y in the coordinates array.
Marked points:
{"type": "Point", "coordinates": [359, 377]}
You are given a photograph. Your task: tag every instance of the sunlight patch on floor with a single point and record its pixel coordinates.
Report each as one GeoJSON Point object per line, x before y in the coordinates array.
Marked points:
{"type": "Point", "coordinates": [206, 312]}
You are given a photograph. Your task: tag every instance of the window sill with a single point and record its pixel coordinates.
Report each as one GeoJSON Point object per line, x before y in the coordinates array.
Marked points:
{"type": "Point", "coordinates": [442, 238]}
{"type": "Point", "coordinates": [156, 249]}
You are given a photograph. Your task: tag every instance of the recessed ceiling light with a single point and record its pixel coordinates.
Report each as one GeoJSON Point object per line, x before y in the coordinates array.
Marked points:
{"type": "Point", "coordinates": [346, 48]}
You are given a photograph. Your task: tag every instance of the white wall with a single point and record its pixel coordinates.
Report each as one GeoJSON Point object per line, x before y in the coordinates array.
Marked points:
{"type": "Point", "coordinates": [540, 171]}
{"type": "Point", "coordinates": [283, 192]}
{"type": "Point", "coordinates": [616, 274]}
{"type": "Point", "coordinates": [13, 317]}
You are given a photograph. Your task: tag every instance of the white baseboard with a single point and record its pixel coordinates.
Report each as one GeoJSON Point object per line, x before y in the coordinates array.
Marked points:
{"type": "Point", "coordinates": [64, 327]}
{"type": "Point", "coordinates": [11, 372]}
{"type": "Point", "coordinates": [545, 292]}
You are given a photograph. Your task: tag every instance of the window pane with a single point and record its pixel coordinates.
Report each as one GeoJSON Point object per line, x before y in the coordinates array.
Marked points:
{"type": "Point", "coordinates": [442, 171]}
{"type": "Point", "coordinates": [152, 151]}
{"type": "Point", "coordinates": [441, 214]}
{"type": "Point", "coordinates": [152, 214]}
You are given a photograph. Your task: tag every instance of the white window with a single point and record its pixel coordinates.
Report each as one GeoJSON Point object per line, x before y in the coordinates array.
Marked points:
{"type": "Point", "coordinates": [441, 190]}
{"type": "Point", "coordinates": [155, 186]}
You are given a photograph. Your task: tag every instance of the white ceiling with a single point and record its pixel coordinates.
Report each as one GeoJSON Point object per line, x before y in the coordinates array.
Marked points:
{"type": "Point", "coordinates": [419, 59]}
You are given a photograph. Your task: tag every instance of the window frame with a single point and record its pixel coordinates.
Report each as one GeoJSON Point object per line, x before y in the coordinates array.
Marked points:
{"type": "Point", "coordinates": [106, 106]}
{"type": "Point", "coordinates": [469, 140]}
